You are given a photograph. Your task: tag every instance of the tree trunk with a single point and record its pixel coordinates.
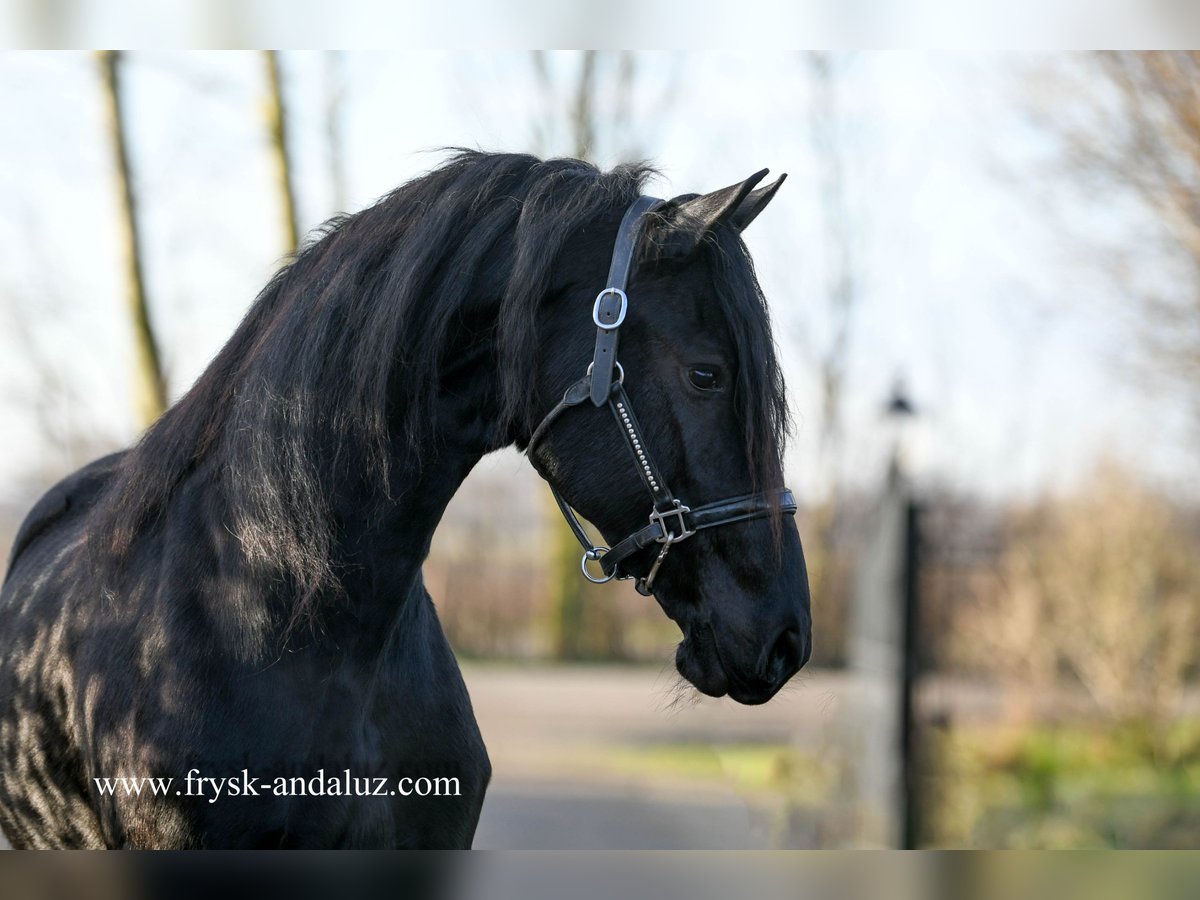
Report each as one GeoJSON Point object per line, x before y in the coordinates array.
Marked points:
{"type": "Point", "coordinates": [277, 123]}
{"type": "Point", "coordinates": [150, 389]}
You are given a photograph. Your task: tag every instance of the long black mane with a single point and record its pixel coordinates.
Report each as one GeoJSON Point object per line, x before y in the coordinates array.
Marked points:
{"type": "Point", "coordinates": [343, 352]}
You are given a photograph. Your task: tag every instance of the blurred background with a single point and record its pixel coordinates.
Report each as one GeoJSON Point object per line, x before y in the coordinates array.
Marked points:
{"type": "Point", "coordinates": [984, 273]}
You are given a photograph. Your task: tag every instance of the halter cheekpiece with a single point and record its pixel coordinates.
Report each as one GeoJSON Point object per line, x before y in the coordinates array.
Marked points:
{"type": "Point", "coordinates": [670, 521]}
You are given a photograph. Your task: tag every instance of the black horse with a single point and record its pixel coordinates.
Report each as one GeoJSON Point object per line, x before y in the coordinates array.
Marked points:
{"type": "Point", "coordinates": [239, 595]}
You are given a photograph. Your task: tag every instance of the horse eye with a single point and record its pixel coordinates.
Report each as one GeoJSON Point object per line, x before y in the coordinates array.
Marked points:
{"type": "Point", "coordinates": [705, 379]}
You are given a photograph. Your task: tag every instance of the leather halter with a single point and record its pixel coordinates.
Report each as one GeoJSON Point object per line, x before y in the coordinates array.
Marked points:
{"type": "Point", "coordinates": [670, 520]}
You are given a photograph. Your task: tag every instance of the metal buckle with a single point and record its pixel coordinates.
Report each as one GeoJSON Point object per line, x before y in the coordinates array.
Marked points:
{"type": "Point", "coordinates": [668, 536]}
{"type": "Point", "coordinates": [669, 539]}
{"type": "Point", "coordinates": [620, 371]}
{"type": "Point", "coordinates": [594, 555]}
{"type": "Point", "coordinates": [609, 326]}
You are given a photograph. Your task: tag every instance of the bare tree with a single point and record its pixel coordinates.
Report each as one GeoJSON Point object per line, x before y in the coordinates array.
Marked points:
{"type": "Point", "coordinates": [1133, 134]}
{"type": "Point", "coordinates": [827, 73]}
{"type": "Point", "coordinates": [588, 109]}
{"type": "Point", "coordinates": [831, 538]}
{"type": "Point", "coordinates": [335, 98]}
{"type": "Point", "coordinates": [277, 124]}
{"type": "Point", "coordinates": [150, 385]}
{"type": "Point", "coordinates": [69, 433]}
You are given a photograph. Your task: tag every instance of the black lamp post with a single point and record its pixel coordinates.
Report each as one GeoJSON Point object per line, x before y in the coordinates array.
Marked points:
{"type": "Point", "coordinates": [901, 413]}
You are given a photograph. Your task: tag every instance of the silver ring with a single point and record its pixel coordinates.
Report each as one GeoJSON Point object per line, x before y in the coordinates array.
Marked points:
{"type": "Point", "coordinates": [620, 317]}
{"type": "Point", "coordinates": [594, 555]}
{"type": "Point", "coordinates": [620, 371]}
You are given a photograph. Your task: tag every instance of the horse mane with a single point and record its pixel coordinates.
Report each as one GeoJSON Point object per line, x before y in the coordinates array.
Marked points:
{"type": "Point", "coordinates": [344, 348]}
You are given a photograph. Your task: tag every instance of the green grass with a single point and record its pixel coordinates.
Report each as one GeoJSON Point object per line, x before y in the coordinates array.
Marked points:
{"type": "Point", "coordinates": [747, 768]}
{"type": "Point", "coordinates": [1066, 787]}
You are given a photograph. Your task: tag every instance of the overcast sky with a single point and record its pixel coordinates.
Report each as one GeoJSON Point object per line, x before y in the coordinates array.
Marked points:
{"type": "Point", "coordinates": [969, 284]}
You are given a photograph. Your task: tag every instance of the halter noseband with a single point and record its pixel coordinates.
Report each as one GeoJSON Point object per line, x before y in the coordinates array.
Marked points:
{"type": "Point", "coordinates": [670, 520]}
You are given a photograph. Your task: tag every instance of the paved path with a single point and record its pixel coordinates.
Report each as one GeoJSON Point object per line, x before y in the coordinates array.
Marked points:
{"type": "Point", "coordinates": [534, 717]}
{"type": "Point", "coordinates": [545, 725]}
{"type": "Point", "coordinates": [525, 815]}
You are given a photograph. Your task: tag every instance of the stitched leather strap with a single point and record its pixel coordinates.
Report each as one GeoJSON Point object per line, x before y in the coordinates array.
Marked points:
{"type": "Point", "coordinates": [611, 304]}
{"type": "Point", "coordinates": [572, 520]}
{"type": "Point", "coordinates": [711, 515]}
{"type": "Point", "coordinates": [573, 396]}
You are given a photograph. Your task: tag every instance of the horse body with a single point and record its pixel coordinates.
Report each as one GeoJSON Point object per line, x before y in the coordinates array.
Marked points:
{"type": "Point", "coordinates": [239, 595]}
{"type": "Point", "coordinates": [169, 679]}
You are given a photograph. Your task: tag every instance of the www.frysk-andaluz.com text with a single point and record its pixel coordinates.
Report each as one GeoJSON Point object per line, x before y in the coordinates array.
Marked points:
{"type": "Point", "coordinates": [343, 784]}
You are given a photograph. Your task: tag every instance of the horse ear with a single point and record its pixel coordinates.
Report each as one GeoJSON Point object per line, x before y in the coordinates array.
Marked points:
{"type": "Point", "coordinates": [755, 203]}
{"type": "Point", "coordinates": [686, 220]}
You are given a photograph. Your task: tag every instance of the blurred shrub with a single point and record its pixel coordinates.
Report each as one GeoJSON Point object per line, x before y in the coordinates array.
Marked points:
{"type": "Point", "coordinates": [1101, 585]}
{"type": "Point", "coordinates": [829, 534]}
{"type": "Point", "coordinates": [504, 573]}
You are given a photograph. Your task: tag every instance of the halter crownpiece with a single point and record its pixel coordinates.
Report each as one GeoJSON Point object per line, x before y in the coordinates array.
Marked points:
{"type": "Point", "coordinates": [612, 303]}
{"type": "Point", "coordinates": [670, 520]}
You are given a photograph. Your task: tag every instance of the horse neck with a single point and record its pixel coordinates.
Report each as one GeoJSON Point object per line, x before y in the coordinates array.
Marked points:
{"type": "Point", "coordinates": [388, 545]}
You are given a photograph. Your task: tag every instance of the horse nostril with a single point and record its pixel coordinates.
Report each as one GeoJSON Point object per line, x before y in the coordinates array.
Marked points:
{"type": "Point", "coordinates": [785, 653]}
